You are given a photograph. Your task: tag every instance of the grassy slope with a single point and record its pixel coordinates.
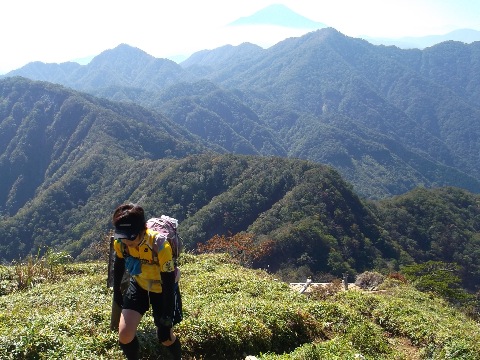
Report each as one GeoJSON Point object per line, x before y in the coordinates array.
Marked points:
{"type": "Point", "coordinates": [230, 312]}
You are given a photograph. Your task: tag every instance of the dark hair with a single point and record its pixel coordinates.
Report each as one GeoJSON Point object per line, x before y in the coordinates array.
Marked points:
{"type": "Point", "coordinates": [130, 211]}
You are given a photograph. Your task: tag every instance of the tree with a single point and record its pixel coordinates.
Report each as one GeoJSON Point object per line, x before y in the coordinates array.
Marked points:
{"type": "Point", "coordinates": [241, 247]}
{"type": "Point", "coordinates": [439, 278]}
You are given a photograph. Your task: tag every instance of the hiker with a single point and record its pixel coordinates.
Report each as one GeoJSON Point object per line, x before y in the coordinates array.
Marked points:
{"type": "Point", "coordinates": [152, 281]}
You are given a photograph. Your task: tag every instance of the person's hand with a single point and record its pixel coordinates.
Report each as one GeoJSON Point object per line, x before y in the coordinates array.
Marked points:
{"type": "Point", "coordinates": [118, 297]}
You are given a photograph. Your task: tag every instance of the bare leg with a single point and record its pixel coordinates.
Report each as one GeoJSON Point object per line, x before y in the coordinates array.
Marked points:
{"type": "Point", "coordinates": [127, 328]}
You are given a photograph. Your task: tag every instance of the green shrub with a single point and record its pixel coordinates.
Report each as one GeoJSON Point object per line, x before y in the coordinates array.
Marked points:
{"type": "Point", "coordinates": [369, 280]}
{"type": "Point", "coordinates": [243, 310]}
{"type": "Point", "coordinates": [428, 323]}
{"type": "Point", "coordinates": [230, 312]}
{"type": "Point", "coordinates": [439, 278]}
{"type": "Point", "coordinates": [335, 349]}
{"type": "Point", "coordinates": [65, 320]}
{"type": "Point", "coordinates": [326, 291]}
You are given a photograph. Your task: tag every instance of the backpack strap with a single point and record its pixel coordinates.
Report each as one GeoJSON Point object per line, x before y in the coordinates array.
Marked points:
{"type": "Point", "coordinates": [125, 252]}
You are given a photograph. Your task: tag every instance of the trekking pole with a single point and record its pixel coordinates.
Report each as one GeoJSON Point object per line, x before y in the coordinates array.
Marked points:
{"type": "Point", "coordinates": [111, 257]}
{"type": "Point", "coordinates": [116, 310]}
{"type": "Point", "coordinates": [115, 316]}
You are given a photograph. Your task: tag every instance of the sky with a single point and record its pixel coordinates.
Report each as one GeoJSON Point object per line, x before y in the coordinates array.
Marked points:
{"type": "Point", "coordinates": [56, 31]}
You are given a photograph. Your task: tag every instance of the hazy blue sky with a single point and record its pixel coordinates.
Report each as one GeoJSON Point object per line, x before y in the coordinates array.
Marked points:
{"type": "Point", "coordinates": [63, 30]}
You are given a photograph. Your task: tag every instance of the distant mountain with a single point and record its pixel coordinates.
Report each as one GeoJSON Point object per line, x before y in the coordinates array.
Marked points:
{"type": "Point", "coordinates": [322, 90]}
{"type": "Point", "coordinates": [278, 15]}
{"type": "Point", "coordinates": [120, 67]}
{"type": "Point", "coordinates": [281, 15]}
{"type": "Point", "coordinates": [466, 36]}
{"type": "Point", "coordinates": [219, 117]}
{"type": "Point", "coordinates": [388, 119]}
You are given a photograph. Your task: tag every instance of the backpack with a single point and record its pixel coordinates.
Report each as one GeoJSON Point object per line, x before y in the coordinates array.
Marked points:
{"type": "Point", "coordinates": [167, 227]}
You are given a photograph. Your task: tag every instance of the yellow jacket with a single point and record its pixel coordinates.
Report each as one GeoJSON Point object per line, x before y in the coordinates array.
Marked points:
{"type": "Point", "coordinates": [155, 255]}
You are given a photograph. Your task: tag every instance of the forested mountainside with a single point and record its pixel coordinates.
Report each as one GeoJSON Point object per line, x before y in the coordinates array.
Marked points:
{"type": "Point", "coordinates": [68, 159]}
{"type": "Point", "coordinates": [387, 119]}
{"type": "Point", "coordinates": [45, 128]}
{"type": "Point", "coordinates": [436, 225]}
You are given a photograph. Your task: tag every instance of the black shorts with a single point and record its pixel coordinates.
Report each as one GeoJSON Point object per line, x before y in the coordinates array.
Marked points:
{"type": "Point", "coordinates": [138, 299]}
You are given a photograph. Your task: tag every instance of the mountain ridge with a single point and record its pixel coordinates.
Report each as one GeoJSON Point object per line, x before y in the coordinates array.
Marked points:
{"type": "Point", "coordinates": [466, 36]}
{"type": "Point", "coordinates": [322, 81]}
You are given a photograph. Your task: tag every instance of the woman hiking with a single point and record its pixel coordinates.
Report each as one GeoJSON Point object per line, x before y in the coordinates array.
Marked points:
{"type": "Point", "coordinates": [149, 260]}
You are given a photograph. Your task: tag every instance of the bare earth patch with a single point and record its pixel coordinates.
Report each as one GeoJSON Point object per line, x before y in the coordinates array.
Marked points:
{"type": "Point", "coordinates": [405, 347]}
